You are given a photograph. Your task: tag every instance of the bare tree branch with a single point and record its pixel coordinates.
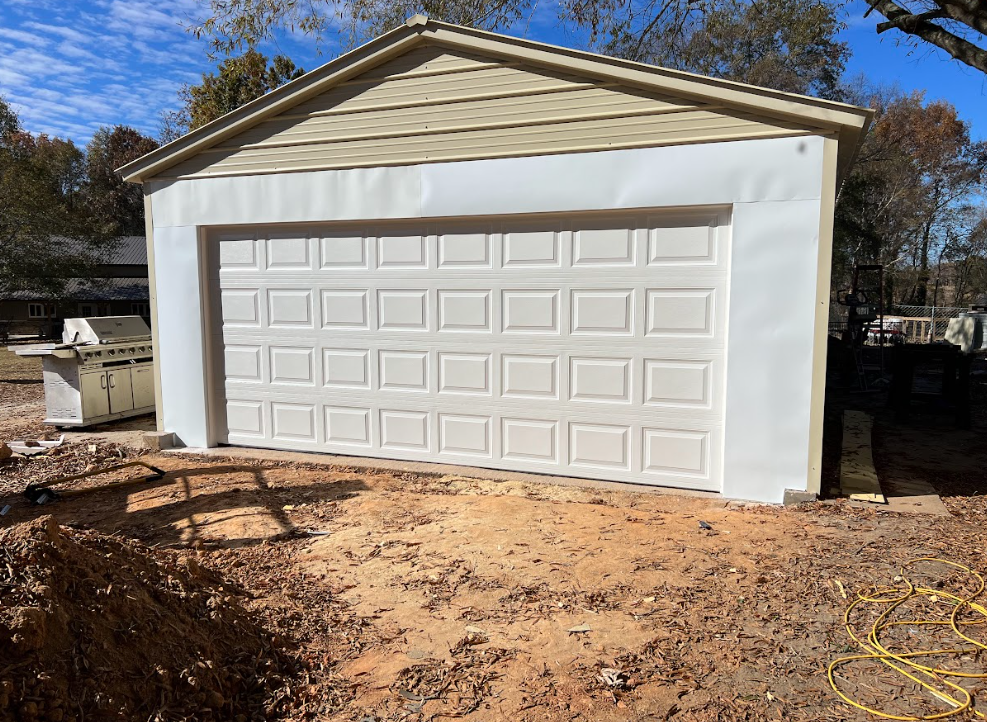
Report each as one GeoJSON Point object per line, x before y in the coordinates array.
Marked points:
{"type": "Point", "coordinates": [971, 13]}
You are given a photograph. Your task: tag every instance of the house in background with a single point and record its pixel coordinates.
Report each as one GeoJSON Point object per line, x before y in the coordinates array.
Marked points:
{"type": "Point", "coordinates": [118, 288]}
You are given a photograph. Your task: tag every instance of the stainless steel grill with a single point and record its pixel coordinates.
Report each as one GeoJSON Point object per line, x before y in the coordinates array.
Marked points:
{"type": "Point", "coordinates": [103, 370]}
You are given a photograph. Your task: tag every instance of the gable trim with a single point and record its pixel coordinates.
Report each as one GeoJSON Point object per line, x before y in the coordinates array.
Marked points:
{"type": "Point", "coordinates": [807, 115]}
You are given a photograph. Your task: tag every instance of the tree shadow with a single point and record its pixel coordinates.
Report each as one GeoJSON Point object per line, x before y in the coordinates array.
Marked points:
{"type": "Point", "coordinates": [225, 505]}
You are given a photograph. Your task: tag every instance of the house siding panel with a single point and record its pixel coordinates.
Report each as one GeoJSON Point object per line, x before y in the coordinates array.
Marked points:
{"type": "Point", "coordinates": [434, 104]}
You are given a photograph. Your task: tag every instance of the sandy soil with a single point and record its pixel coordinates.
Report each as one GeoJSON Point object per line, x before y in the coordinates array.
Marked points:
{"type": "Point", "coordinates": [417, 597]}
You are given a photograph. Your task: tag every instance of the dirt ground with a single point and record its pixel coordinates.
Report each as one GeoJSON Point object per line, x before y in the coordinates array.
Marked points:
{"type": "Point", "coordinates": [419, 597]}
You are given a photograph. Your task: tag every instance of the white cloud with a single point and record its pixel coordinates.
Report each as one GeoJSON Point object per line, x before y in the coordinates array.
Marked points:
{"type": "Point", "coordinates": [61, 31]}
{"type": "Point", "coordinates": [22, 36]}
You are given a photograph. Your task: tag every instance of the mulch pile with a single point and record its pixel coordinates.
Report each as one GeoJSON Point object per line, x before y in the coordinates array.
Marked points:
{"type": "Point", "coordinates": [124, 632]}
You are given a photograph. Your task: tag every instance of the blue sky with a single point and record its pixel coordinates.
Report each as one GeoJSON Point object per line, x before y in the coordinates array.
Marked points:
{"type": "Point", "coordinates": [71, 66]}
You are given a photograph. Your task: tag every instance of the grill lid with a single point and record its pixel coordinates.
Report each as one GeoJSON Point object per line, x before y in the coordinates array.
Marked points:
{"type": "Point", "coordinates": [104, 329]}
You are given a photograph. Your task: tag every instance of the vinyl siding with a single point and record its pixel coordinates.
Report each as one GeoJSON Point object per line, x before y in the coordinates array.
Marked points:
{"type": "Point", "coordinates": [433, 104]}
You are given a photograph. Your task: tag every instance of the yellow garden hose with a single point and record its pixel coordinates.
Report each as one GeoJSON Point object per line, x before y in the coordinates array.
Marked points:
{"type": "Point", "coordinates": [933, 679]}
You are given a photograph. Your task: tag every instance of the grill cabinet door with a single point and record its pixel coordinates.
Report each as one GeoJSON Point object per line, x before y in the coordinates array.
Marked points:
{"type": "Point", "coordinates": [121, 390]}
{"type": "Point", "coordinates": [95, 398]}
{"type": "Point", "coordinates": [143, 383]}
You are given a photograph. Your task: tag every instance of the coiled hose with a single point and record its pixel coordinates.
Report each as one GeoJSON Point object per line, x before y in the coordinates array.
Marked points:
{"type": "Point", "coordinates": [932, 679]}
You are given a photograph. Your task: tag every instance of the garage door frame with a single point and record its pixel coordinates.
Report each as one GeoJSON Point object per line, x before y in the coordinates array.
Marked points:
{"type": "Point", "coordinates": [657, 426]}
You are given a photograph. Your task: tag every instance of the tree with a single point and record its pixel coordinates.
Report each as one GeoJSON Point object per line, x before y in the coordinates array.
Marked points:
{"type": "Point", "coordinates": [118, 206]}
{"type": "Point", "coordinates": [910, 198]}
{"type": "Point", "coordinates": [238, 81]}
{"type": "Point", "coordinates": [787, 44]}
{"type": "Point", "coordinates": [957, 26]}
{"type": "Point", "coordinates": [47, 233]}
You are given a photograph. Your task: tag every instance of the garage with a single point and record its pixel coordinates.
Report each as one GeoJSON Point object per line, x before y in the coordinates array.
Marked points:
{"type": "Point", "coordinates": [457, 247]}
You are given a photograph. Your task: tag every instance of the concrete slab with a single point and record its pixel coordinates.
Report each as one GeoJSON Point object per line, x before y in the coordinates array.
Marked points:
{"type": "Point", "coordinates": [858, 477]}
{"type": "Point", "coordinates": [432, 469]}
{"type": "Point", "coordinates": [127, 432]}
{"type": "Point", "coordinates": [913, 496]}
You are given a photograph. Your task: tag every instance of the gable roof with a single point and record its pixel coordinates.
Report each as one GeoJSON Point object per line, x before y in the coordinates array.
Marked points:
{"type": "Point", "coordinates": [845, 122]}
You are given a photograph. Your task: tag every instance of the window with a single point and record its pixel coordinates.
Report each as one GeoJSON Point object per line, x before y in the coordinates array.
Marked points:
{"type": "Point", "coordinates": [140, 309]}
{"type": "Point", "coordinates": [36, 310]}
{"type": "Point", "coordinates": [87, 310]}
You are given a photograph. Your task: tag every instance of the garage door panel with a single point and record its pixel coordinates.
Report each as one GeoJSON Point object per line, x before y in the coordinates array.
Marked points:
{"type": "Point", "coordinates": [649, 452]}
{"type": "Point", "coordinates": [584, 346]}
{"type": "Point", "coordinates": [679, 384]}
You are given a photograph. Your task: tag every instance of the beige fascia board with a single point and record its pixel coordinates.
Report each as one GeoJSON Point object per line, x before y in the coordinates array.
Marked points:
{"type": "Point", "coordinates": [817, 112]}
{"type": "Point", "coordinates": [297, 91]}
{"type": "Point", "coordinates": [817, 399]}
{"type": "Point", "coordinates": [153, 302]}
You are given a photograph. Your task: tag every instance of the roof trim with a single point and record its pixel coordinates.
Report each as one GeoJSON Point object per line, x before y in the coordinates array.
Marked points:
{"type": "Point", "coordinates": [850, 122]}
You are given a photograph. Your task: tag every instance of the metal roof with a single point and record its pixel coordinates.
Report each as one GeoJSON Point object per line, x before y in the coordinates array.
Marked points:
{"type": "Point", "coordinates": [122, 251]}
{"type": "Point", "coordinates": [91, 289]}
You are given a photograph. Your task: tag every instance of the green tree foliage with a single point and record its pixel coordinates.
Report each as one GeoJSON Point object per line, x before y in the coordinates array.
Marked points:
{"type": "Point", "coordinates": [118, 206]}
{"type": "Point", "coordinates": [786, 44]}
{"type": "Point", "coordinates": [47, 231]}
{"type": "Point", "coordinates": [239, 80]}
{"type": "Point", "coordinates": [911, 201]}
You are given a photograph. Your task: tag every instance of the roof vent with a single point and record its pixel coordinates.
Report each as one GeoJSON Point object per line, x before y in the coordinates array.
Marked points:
{"type": "Point", "coordinates": [418, 19]}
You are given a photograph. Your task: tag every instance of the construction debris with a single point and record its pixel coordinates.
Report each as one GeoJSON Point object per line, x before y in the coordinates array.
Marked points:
{"type": "Point", "coordinates": [32, 447]}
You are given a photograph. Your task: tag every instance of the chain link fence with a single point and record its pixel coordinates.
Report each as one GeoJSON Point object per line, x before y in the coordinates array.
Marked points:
{"type": "Point", "coordinates": [923, 324]}
{"type": "Point", "coordinates": [902, 324]}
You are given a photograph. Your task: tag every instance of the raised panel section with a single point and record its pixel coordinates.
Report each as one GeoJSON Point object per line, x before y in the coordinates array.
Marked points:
{"type": "Point", "coordinates": [682, 244]}
{"type": "Point", "coordinates": [245, 418]}
{"type": "Point", "coordinates": [603, 247]}
{"type": "Point", "coordinates": [531, 248]}
{"type": "Point", "coordinates": [293, 422]}
{"type": "Point", "coordinates": [531, 376]}
{"type": "Point", "coordinates": [464, 373]}
{"type": "Point", "coordinates": [464, 310]}
{"type": "Point", "coordinates": [402, 252]}
{"type": "Point", "coordinates": [291, 365]}
{"type": "Point", "coordinates": [591, 345]}
{"type": "Point", "coordinates": [240, 307]}
{"type": "Point", "coordinates": [345, 308]}
{"type": "Point", "coordinates": [288, 253]}
{"type": "Point", "coordinates": [531, 311]}
{"type": "Point", "coordinates": [680, 312]}
{"type": "Point", "coordinates": [464, 434]}
{"type": "Point", "coordinates": [530, 440]}
{"type": "Point", "coordinates": [404, 430]}
{"type": "Point", "coordinates": [346, 367]}
{"type": "Point", "coordinates": [402, 310]}
{"type": "Point", "coordinates": [242, 363]}
{"type": "Point", "coordinates": [349, 426]}
{"type": "Point", "coordinates": [238, 254]}
{"type": "Point", "coordinates": [599, 446]}
{"type": "Point", "coordinates": [676, 452]}
{"type": "Point", "coordinates": [289, 308]}
{"type": "Point", "coordinates": [602, 312]}
{"type": "Point", "coordinates": [464, 250]}
{"type": "Point", "coordinates": [343, 250]}
{"type": "Point", "coordinates": [600, 379]}
{"type": "Point", "coordinates": [404, 370]}
{"type": "Point", "coordinates": [668, 382]}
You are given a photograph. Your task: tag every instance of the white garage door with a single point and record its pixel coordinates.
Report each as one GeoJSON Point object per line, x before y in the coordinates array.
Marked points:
{"type": "Point", "coordinates": [589, 346]}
